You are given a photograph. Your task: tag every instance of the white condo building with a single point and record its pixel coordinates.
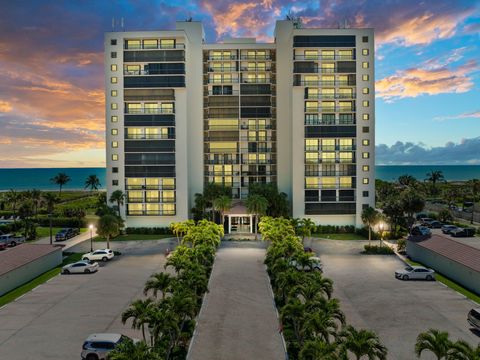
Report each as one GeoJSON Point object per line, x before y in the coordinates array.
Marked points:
{"type": "Point", "coordinates": [298, 112]}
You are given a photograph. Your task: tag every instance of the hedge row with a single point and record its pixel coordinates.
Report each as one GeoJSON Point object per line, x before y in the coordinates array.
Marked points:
{"type": "Point", "coordinates": [332, 229]}
{"type": "Point", "coordinates": [148, 231]}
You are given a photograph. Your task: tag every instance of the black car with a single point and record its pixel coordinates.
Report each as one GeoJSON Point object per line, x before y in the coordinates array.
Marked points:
{"type": "Point", "coordinates": [435, 224]}
{"type": "Point", "coordinates": [65, 234]}
{"type": "Point", "coordinates": [463, 232]}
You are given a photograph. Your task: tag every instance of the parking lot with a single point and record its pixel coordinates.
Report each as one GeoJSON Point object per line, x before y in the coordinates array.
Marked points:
{"type": "Point", "coordinates": [53, 320]}
{"type": "Point", "coordinates": [397, 310]}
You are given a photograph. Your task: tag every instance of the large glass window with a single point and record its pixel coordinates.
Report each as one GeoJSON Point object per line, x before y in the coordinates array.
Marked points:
{"type": "Point", "coordinates": [345, 182]}
{"type": "Point", "coordinates": [167, 43]}
{"type": "Point", "coordinates": [150, 43]}
{"type": "Point", "coordinates": [133, 44]}
{"type": "Point", "coordinates": [328, 182]}
{"type": "Point", "coordinates": [311, 54]}
{"type": "Point", "coordinates": [328, 157]}
{"type": "Point", "coordinates": [328, 54]}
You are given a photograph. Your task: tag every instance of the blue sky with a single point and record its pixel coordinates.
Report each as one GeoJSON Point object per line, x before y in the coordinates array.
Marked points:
{"type": "Point", "coordinates": [51, 60]}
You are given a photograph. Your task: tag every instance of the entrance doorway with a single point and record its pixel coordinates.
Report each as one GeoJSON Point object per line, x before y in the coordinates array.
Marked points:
{"type": "Point", "coordinates": [240, 224]}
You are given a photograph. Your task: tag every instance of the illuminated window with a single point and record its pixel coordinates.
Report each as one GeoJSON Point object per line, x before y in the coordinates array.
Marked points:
{"type": "Point", "coordinates": [133, 44]}
{"type": "Point", "coordinates": [328, 182]}
{"type": "Point", "coordinates": [311, 54]}
{"type": "Point", "coordinates": [365, 90]}
{"type": "Point", "coordinates": [365, 77]}
{"type": "Point", "coordinates": [113, 67]}
{"type": "Point", "coordinates": [168, 196]}
{"type": "Point", "coordinates": [365, 181]}
{"type": "Point", "coordinates": [150, 44]}
{"type": "Point", "coordinates": [328, 157]}
{"type": "Point", "coordinates": [261, 66]}
{"type": "Point", "coordinates": [328, 144]}
{"type": "Point", "coordinates": [328, 54]}
{"type": "Point", "coordinates": [366, 142]}
{"type": "Point", "coordinates": [113, 93]}
{"type": "Point", "coordinates": [311, 144]}
{"type": "Point", "coordinates": [168, 183]}
{"type": "Point", "coordinates": [167, 43]}
{"type": "Point", "coordinates": [134, 108]}
{"type": "Point", "coordinates": [365, 155]}
{"type": "Point", "coordinates": [167, 108]}
{"type": "Point", "coordinates": [366, 103]}
{"type": "Point", "coordinates": [217, 146]}
{"type": "Point", "coordinates": [311, 106]}
{"type": "Point", "coordinates": [366, 116]}
{"type": "Point", "coordinates": [114, 106]}
{"type": "Point", "coordinates": [114, 144]}
{"type": "Point", "coordinates": [114, 118]}
{"type": "Point", "coordinates": [328, 105]}
{"type": "Point", "coordinates": [365, 65]}
{"type": "Point", "coordinates": [114, 131]}
{"type": "Point", "coordinates": [114, 157]}
{"type": "Point", "coordinates": [311, 157]}
{"type": "Point", "coordinates": [311, 182]}
{"type": "Point", "coordinates": [366, 168]}
{"type": "Point", "coordinates": [113, 79]}
{"type": "Point", "coordinates": [345, 182]}
{"type": "Point", "coordinates": [365, 52]}
{"type": "Point", "coordinates": [345, 157]}
{"type": "Point", "coordinates": [252, 136]}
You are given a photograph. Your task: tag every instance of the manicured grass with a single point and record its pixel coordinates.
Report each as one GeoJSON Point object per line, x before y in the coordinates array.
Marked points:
{"type": "Point", "coordinates": [350, 236]}
{"type": "Point", "coordinates": [23, 289]}
{"type": "Point", "coordinates": [134, 237]}
{"type": "Point", "coordinates": [45, 231]}
{"type": "Point", "coordinates": [451, 284]}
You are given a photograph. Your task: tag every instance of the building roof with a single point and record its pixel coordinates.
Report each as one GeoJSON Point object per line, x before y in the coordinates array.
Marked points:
{"type": "Point", "coordinates": [463, 254]}
{"type": "Point", "coordinates": [237, 209]}
{"type": "Point", "coordinates": [15, 257]}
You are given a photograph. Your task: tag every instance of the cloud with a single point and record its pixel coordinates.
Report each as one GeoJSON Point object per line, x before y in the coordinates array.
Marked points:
{"type": "Point", "coordinates": [469, 115]}
{"type": "Point", "coordinates": [427, 80]}
{"type": "Point", "coordinates": [5, 106]}
{"type": "Point", "coordinates": [407, 153]}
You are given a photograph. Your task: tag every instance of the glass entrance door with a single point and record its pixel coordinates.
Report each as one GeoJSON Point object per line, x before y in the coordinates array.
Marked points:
{"type": "Point", "coordinates": [240, 224]}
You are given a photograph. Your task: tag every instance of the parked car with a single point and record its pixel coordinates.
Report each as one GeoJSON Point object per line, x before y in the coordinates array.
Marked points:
{"type": "Point", "coordinates": [421, 230]}
{"type": "Point", "coordinates": [11, 239]}
{"type": "Point", "coordinates": [447, 229]}
{"type": "Point", "coordinates": [97, 255]}
{"type": "Point", "coordinates": [316, 265]}
{"type": "Point", "coordinates": [435, 224]}
{"type": "Point", "coordinates": [473, 318]}
{"type": "Point", "coordinates": [463, 232]}
{"type": "Point", "coordinates": [307, 249]}
{"type": "Point", "coordinates": [425, 220]}
{"type": "Point", "coordinates": [97, 346]}
{"type": "Point", "coordinates": [3, 246]}
{"type": "Point", "coordinates": [420, 216]}
{"type": "Point", "coordinates": [416, 273]}
{"type": "Point", "coordinates": [66, 234]}
{"type": "Point", "coordinates": [80, 267]}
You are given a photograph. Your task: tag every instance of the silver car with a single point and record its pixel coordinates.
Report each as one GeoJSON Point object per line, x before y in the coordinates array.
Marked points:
{"type": "Point", "coordinates": [415, 273]}
{"type": "Point", "coordinates": [80, 267]}
{"type": "Point", "coordinates": [316, 265]}
{"type": "Point", "coordinates": [474, 318]}
{"type": "Point", "coordinates": [97, 346]}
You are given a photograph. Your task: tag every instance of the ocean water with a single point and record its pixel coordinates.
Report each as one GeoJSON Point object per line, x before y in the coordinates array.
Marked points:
{"type": "Point", "coordinates": [24, 179]}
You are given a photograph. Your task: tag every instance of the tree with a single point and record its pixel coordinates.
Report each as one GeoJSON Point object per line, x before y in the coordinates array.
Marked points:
{"type": "Point", "coordinates": [138, 311]}
{"type": "Point", "coordinates": [26, 210]}
{"type": "Point", "coordinates": [412, 202]}
{"type": "Point", "coordinates": [108, 226]}
{"type": "Point", "coordinates": [92, 182]}
{"type": "Point", "coordinates": [222, 204]}
{"type": "Point", "coordinates": [61, 179]}
{"type": "Point", "coordinates": [256, 205]}
{"type": "Point", "coordinates": [474, 186]}
{"type": "Point", "coordinates": [50, 201]}
{"type": "Point", "coordinates": [445, 215]}
{"type": "Point", "coordinates": [159, 282]}
{"type": "Point", "coordinates": [407, 180]}
{"type": "Point", "coordinates": [305, 228]}
{"type": "Point", "coordinates": [434, 176]}
{"type": "Point", "coordinates": [129, 350]}
{"type": "Point", "coordinates": [36, 196]}
{"type": "Point", "coordinates": [181, 228]}
{"type": "Point", "coordinates": [370, 217]}
{"type": "Point", "coordinates": [362, 342]}
{"type": "Point", "coordinates": [13, 198]}
{"type": "Point", "coordinates": [393, 211]}
{"type": "Point", "coordinates": [461, 350]}
{"type": "Point", "coordinates": [436, 341]}
{"type": "Point", "coordinates": [317, 349]}
{"type": "Point", "coordinates": [277, 201]}
{"type": "Point", "coordinates": [118, 197]}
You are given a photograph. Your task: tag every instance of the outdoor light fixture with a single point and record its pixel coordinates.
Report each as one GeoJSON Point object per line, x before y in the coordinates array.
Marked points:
{"type": "Point", "coordinates": [91, 237]}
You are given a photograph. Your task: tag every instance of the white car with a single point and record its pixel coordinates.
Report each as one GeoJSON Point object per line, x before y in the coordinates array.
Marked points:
{"type": "Point", "coordinates": [97, 255]}
{"type": "Point", "coordinates": [83, 267]}
{"type": "Point", "coordinates": [415, 273]}
{"type": "Point", "coordinates": [316, 265]}
{"type": "Point", "coordinates": [97, 346]}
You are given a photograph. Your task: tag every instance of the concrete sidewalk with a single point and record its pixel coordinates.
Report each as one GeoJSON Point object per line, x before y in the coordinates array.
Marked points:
{"type": "Point", "coordinates": [238, 319]}
{"type": "Point", "coordinates": [67, 244]}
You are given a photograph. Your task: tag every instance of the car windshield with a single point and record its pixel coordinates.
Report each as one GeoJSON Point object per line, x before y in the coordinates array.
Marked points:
{"type": "Point", "coordinates": [408, 268]}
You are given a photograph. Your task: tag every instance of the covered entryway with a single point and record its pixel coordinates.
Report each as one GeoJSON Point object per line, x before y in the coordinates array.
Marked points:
{"type": "Point", "coordinates": [238, 220]}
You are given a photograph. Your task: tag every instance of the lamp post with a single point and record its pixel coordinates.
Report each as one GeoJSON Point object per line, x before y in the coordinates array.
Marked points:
{"type": "Point", "coordinates": [381, 233]}
{"type": "Point", "coordinates": [91, 237]}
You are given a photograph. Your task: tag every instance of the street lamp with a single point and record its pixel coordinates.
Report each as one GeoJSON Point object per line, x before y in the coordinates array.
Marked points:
{"type": "Point", "coordinates": [91, 237]}
{"type": "Point", "coordinates": [381, 232]}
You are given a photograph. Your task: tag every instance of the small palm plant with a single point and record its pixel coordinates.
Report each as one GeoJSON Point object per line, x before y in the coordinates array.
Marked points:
{"type": "Point", "coordinates": [159, 282]}
{"type": "Point", "coordinates": [362, 343]}
{"type": "Point", "coordinates": [435, 341]}
{"type": "Point", "coordinates": [138, 311]}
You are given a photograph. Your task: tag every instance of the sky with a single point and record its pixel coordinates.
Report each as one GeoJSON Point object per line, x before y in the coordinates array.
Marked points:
{"type": "Point", "coordinates": [427, 67]}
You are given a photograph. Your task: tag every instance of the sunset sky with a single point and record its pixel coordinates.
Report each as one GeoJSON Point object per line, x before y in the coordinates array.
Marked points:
{"type": "Point", "coordinates": [51, 66]}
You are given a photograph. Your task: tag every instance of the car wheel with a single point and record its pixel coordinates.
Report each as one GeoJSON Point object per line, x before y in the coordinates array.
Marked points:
{"type": "Point", "coordinates": [405, 277]}
{"type": "Point", "coordinates": [92, 357]}
{"type": "Point", "coordinates": [87, 271]}
{"type": "Point", "coordinates": [429, 277]}
{"type": "Point", "coordinates": [104, 259]}
{"type": "Point", "coordinates": [86, 259]}
{"type": "Point", "coordinates": [66, 272]}
{"type": "Point", "coordinates": [13, 243]}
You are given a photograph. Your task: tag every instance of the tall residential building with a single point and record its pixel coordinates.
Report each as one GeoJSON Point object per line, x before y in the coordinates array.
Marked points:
{"type": "Point", "coordinates": [298, 112]}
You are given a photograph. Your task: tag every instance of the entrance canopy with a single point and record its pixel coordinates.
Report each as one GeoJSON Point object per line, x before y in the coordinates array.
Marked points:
{"type": "Point", "coordinates": [239, 220]}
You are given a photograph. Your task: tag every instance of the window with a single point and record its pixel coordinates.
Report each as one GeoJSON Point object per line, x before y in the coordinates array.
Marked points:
{"type": "Point", "coordinates": [365, 52]}
{"type": "Point", "coordinates": [366, 116]}
{"type": "Point", "coordinates": [311, 144]}
{"type": "Point", "coordinates": [311, 182]}
{"type": "Point", "coordinates": [311, 157]}
{"type": "Point", "coordinates": [365, 206]}
{"type": "Point", "coordinates": [365, 193]}
{"type": "Point", "coordinates": [365, 90]}
{"type": "Point", "coordinates": [150, 44]}
{"type": "Point", "coordinates": [311, 106]}
{"type": "Point", "coordinates": [114, 157]}
{"type": "Point", "coordinates": [366, 103]}
{"type": "Point", "coordinates": [114, 118]}
{"type": "Point", "coordinates": [114, 182]}
{"type": "Point", "coordinates": [114, 170]}
{"type": "Point", "coordinates": [345, 157]}
{"type": "Point", "coordinates": [113, 67]}
{"type": "Point", "coordinates": [114, 144]}
{"type": "Point", "coordinates": [366, 168]}
{"type": "Point", "coordinates": [113, 93]}
{"type": "Point", "coordinates": [365, 39]}
{"type": "Point", "coordinates": [365, 181]}
{"type": "Point", "coordinates": [365, 155]}
{"type": "Point", "coordinates": [113, 79]}
{"type": "Point", "coordinates": [345, 182]}
{"type": "Point", "coordinates": [311, 54]}
{"type": "Point", "coordinates": [365, 77]}
{"type": "Point", "coordinates": [114, 106]}
{"type": "Point", "coordinates": [328, 182]}
{"type": "Point", "coordinates": [365, 65]}
{"type": "Point", "coordinates": [114, 131]}
{"type": "Point", "coordinates": [328, 54]}
{"type": "Point", "coordinates": [167, 43]}
{"type": "Point", "coordinates": [328, 157]}
{"type": "Point", "coordinates": [113, 42]}
{"type": "Point", "coordinates": [133, 44]}
{"type": "Point", "coordinates": [113, 54]}
{"type": "Point", "coordinates": [365, 129]}
{"type": "Point", "coordinates": [366, 142]}
{"type": "Point", "coordinates": [345, 54]}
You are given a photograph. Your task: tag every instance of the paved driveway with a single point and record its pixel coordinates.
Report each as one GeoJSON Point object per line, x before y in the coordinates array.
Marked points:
{"type": "Point", "coordinates": [397, 310]}
{"type": "Point", "coordinates": [52, 321]}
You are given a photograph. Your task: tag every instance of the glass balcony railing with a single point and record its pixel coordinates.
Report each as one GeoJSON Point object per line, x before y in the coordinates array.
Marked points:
{"type": "Point", "coordinates": [149, 136]}
{"type": "Point", "coordinates": [323, 57]}
{"type": "Point", "coordinates": [158, 46]}
{"type": "Point", "coordinates": [149, 111]}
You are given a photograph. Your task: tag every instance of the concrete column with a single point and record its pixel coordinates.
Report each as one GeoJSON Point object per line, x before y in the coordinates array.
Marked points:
{"type": "Point", "coordinates": [229, 224]}
{"type": "Point", "coordinates": [251, 224]}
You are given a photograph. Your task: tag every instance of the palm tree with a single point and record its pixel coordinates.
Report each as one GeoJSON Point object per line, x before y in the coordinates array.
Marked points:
{"type": "Point", "coordinates": [117, 197]}
{"type": "Point", "coordinates": [434, 176]}
{"type": "Point", "coordinates": [257, 205]}
{"type": "Point", "coordinates": [436, 341]}
{"type": "Point", "coordinates": [294, 314]}
{"type": "Point", "coordinates": [92, 182]}
{"type": "Point", "coordinates": [108, 226]}
{"type": "Point", "coordinates": [322, 326]}
{"type": "Point", "coordinates": [362, 342]}
{"type": "Point", "coordinates": [474, 185]}
{"type": "Point", "coordinates": [13, 197]}
{"type": "Point", "coordinates": [50, 200]}
{"type": "Point", "coordinates": [370, 217]}
{"type": "Point", "coordinates": [222, 204]}
{"type": "Point", "coordinates": [138, 311]}
{"type": "Point", "coordinates": [36, 196]}
{"type": "Point", "coordinates": [61, 179]}
{"type": "Point", "coordinates": [306, 227]}
{"type": "Point", "coordinates": [412, 202]}
{"type": "Point", "coordinates": [129, 350]}
{"type": "Point", "coordinates": [159, 282]}
{"type": "Point", "coordinates": [407, 180]}
{"type": "Point", "coordinates": [317, 349]}
{"type": "Point", "coordinates": [461, 350]}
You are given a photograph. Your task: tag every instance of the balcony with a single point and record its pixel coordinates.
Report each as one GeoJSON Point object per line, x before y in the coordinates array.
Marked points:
{"type": "Point", "coordinates": [153, 47]}
{"type": "Point", "coordinates": [256, 81]}
{"type": "Point", "coordinates": [149, 136]}
{"type": "Point", "coordinates": [222, 81]}
{"type": "Point", "coordinates": [329, 109]}
{"type": "Point", "coordinates": [317, 83]}
{"type": "Point", "coordinates": [148, 111]}
{"type": "Point", "coordinates": [323, 57]}
{"type": "Point", "coordinates": [256, 161]}
{"type": "Point", "coordinates": [222, 128]}
{"type": "Point", "coordinates": [329, 161]}
{"type": "Point", "coordinates": [222, 69]}
{"type": "Point", "coordinates": [329, 173]}
{"type": "Point", "coordinates": [150, 187]}
{"type": "Point", "coordinates": [222, 57]}
{"type": "Point", "coordinates": [255, 57]}
{"type": "Point", "coordinates": [255, 69]}
{"type": "Point", "coordinates": [135, 199]}
{"type": "Point", "coordinates": [223, 173]}
{"type": "Point", "coordinates": [256, 127]}
{"type": "Point", "coordinates": [352, 95]}
{"type": "Point", "coordinates": [223, 92]}
{"type": "Point", "coordinates": [154, 72]}
{"type": "Point", "coordinates": [150, 212]}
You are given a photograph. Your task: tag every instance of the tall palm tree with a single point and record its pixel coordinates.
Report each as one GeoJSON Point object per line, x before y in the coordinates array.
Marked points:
{"type": "Point", "coordinates": [362, 342]}
{"type": "Point", "coordinates": [370, 217]}
{"type": "Point", "coordinates": [222, 204]}
{"type": "Point", "coordinates": [159, 282]}
{"type": "Point", "coordinates": [438, 342]}
{"type": "Point", "coordinates": [129, 350]}
{"type": "Point", "coordinates": [36, 196]}
{"type": "Point", "coordinates": [50, 201]}
{"type": "Point", "coordinates": [13, 197]}
{"type": "Point", "coordinates": [407, 180]}
{"type": "Point", "coordinates": [92, 182]}
{"type": "Point", "coordinates": [306, 227]}
{"type": "Point", "coordinates": [138, 311]}
{"type": "Point", "coordinates": [317, 349]}
{"type": "Point", "coordinates": [322, 326]}
{"type": "Point", "coordinates": [256, 205]}
{"type": "Point", "coordinates": [434, 176]}
{"type": "Point", "coordinates": [61, 179]}
{"type": "Point", "coordinates": [117, 197]}
{"type": "Point", "coordinates": [461, 350]}
{"type": "Point", "coordinates": [108, 227]}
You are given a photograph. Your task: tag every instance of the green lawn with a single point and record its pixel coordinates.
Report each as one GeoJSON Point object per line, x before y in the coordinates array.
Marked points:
{"type": "Point", "coordinates": [350, 236]}
{"type": "Point", "coordinates": [451, 284]}
{"type": "Point", "coordinates": [132, 237]}
{"type": "Point", "coordinates": [45, 231]}
{"type": "Point", "coordinates": [19, 291]}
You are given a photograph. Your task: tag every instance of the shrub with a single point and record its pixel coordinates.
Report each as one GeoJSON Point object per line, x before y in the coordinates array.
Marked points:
{"type": "Point", "coordinates": [11, 227]}
{"type": "Point", "coordinates": [62, 222]}
{"type": "Point", "coordinates": [401, 245]}
{"type": "Point", "coordinates": [364, 232]}
{"type": "Point", "coordinates": [377, 250]}
{"type": "Point", "coordinates": [331, 229]}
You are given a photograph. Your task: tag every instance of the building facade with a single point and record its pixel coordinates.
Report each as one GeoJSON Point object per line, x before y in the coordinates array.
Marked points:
{"type": "Point", "coordinates": [298, 112]}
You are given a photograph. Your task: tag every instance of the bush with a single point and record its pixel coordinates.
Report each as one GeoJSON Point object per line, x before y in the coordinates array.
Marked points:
{"type": "Point", "coordinates": [332, 229]}
{"type": "Point", "coordinates": [364, 232]}
{"type": "Point", "coordinates": [149, 230]}
{"type": "Point", "coordinates": [11, 227]}
{"type": "Point", "coordinates": [377, 250]}
{"type": "Point", "coordinates": [62, 222]}
{"type": "Point", "coordinates": [401, 245]}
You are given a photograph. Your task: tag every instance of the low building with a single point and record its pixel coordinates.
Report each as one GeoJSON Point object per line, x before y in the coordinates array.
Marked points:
{"type": "Point", "coordinates": [25, 262]}
{"type": "Point", "coordinates": [456, 260]}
